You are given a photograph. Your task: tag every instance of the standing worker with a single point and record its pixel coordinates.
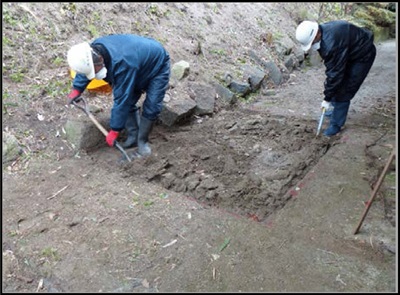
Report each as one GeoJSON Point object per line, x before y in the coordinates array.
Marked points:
{"type": "Point", "coordinates": [132, 65]}
{"type": "Point", "coordinates": [348, 53]}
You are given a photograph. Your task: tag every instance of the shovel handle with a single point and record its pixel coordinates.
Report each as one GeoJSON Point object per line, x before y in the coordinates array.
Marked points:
{"type": "Point", "coordinates": [85, 109]}
{"type": "Point", "coordinates": [90, 115]}
{"type": "Point", "coordinates": [98, 125]}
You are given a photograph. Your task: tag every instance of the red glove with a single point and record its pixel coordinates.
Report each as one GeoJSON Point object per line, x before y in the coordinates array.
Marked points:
{"type": "Point", "coordinates": [74, 96]}
{"type": "Point", "coordinates": [112, 137]}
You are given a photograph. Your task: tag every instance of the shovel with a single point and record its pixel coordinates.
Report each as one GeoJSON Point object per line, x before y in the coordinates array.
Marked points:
{"type": "Point", "coordinates": [86, 110]}
{"type": "Point", "coordinates": [321, 120]}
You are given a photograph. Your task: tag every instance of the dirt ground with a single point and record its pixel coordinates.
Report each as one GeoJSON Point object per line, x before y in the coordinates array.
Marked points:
{"type": "Point", "coordinates": [246, 200]}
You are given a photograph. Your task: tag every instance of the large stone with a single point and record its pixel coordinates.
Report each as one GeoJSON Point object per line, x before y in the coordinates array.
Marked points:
{"type": "Point", "coordinates": [11, 149]}
{"type": "Point", "coordinates": [227, 96]}
{"type": "Point", "coordinates": [240, 88]}
{"type": "Point", "coordinates": [254, 76]}
{"type": "Point", "coordinates": [180, 70]}
{"type": "Point", "coordinates": [204, 96]}
{"type": "Point", "coordinates": [177, 109]}
{"type": "Point", "coordinates": [83, 134]}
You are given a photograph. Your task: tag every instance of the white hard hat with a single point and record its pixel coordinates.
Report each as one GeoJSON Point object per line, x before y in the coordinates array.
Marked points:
{"type": "Point", "coordinates": [80, 59]}
{"type": "Point", "coordinates": [305, 33]}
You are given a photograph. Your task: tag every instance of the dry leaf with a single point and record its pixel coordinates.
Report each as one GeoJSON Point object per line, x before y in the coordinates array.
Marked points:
{"type": "Point", "coordinates": [145, 284]}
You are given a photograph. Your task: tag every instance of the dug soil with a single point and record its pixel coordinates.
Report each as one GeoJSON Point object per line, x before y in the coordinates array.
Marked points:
{"type": "Point", "coordinates": [246, 200]}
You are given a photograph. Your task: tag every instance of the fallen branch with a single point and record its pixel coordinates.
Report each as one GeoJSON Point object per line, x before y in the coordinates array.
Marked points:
{"type": "Point", "coordinates": [61, 190]}
{"type": "Point", "coordinates": [376, 189]}
{"type": "Point", "coordinates": [170, 244]}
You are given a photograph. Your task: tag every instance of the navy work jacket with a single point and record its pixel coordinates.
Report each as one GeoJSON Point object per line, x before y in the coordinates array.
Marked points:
{"type": "Point", "coordinates": [342, 44]}
{"type": "Point", "coordinates": [131, 62]}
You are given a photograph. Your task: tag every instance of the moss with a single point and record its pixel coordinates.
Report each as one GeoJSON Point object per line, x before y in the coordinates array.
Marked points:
{"type": "Point", "coordinates": [382, 17]}
{"type": "Point", "coordinates": [372, 17]}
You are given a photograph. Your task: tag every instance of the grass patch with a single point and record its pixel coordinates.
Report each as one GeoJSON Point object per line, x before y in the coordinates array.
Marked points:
{"type": "Point", "coordinates": [50, 253]}
{"type": "Point", "coordinates": [220, 52]}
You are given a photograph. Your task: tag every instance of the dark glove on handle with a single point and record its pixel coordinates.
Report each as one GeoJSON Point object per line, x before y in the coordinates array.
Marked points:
{"type": "Point", "coordinates": [74, 96]}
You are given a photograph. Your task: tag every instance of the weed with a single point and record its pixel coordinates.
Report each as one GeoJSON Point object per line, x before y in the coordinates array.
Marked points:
{"type": "Point", "coordinates": [277, 36]}
{"type": "Point", "coordinates": [163, 195]}
{"type": "Point", "coordinates": [249, 98]}
{"type": "Point", "coordinates": [93, 31]}
{"type": "Point", "coordinates": [9, 19]}
{"type": "Point", "coordinates": [6, 105]}
{"type": "Point", "coordinates": [70, 7]}
{"type": "Point", "coordinates": [6, 95]}
{"type": "Point", "coordinates": [134, 255]}
{"type": "Point", "coordinates": [50, 253]}
{"type": "Point", "coordinates": [303, 14]}
{"type": "Point", "coordinates": [56, 88]}
{"type": "Point", "coordinates": [58, 61]}
{"type": "Point", "coordinates": [13, 233]}
{"type": "Point", "coordinates": [7, 41]}
{"type": "Point", "coordinates": [218, 52]}
{"type": "Point", "coordinates": [215, 9]}
{"type": "Point", "coordinates": [96, 16]}
{"type": "Point", "coordinates": [148, 203]}
{"type": "Point", "coordinates": [154, 10]}
{"type": "Point", "coordinates": [167, 13]}
{"type": "Point", "coordinates": [391, 177]}
{"type": "Point", "coordinates": [241, 60]}
{"type": "Point", "coordinates": [135, 201]}
{"type": "Point", "coordinates": [17, 77]}
{"type": "Point", "coordinates": [261, 23]}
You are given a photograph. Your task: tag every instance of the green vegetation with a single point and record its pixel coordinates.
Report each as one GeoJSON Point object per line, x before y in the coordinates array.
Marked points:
{"type": "Point", "coordinates": [220, 52]}
{"type": "Point", "coordinates": [58, 61]}
{"type": "Point", "coordinates": [377, 18]}
{"type": "Point", "coordinates": [148, 203]}
{"type": "Point", "coordinates": [71, 7]}
{"type": "Point", "coordinates": [261, 23]}
{"type": "Point", "coordinates": [9, 19]}
{"type": "Point", "coordinates": [93, 31]}
{"type": "Point", "coordinates": [50, 253]}
{"type": "Point", "coordinates": [17, 77]}
{"type": "Point", "coordinates": [374, 16]}
{"type": "Point", "coordinates": [55, 88]}
{"type": "Point", "coordinates": [7, 41]}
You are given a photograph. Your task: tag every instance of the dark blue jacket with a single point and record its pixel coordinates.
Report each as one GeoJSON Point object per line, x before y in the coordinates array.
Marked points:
{"type": "Point", "coordinates": [342, 44]}
{"type": "Point", "coordinates": [131, 61]}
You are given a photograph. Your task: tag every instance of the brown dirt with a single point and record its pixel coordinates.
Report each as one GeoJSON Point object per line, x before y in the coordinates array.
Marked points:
{"type": "Point", "coordinates": [246, 200]}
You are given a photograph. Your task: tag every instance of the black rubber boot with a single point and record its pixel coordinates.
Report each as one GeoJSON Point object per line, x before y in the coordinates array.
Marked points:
{"type": "Point", "coordinates": [132, 127]}
{"type": "Point", "coordinates": [144, 130]}
{"type": "Point", "coordinates": [338, 118]}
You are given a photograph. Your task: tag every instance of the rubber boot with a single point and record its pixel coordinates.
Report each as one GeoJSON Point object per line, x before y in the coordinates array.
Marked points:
{"type": "Point", "coordinates": [338, 118]}
{"type": "Point", "coordinates": [145, 128]}
{"type": "Point", "coordinates": [132, 126]}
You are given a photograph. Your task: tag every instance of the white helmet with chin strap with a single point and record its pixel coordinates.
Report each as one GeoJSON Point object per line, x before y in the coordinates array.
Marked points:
{"type": "Point", "coordinates": [80, 59]}
{"type": "Point", "coordinates": [305, 33]}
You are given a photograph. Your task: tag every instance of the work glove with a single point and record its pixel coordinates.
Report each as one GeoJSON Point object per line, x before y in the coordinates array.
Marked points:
{"type": "Point", "coordinates": [74, 96]}
{"type": "Point", "coordinates": [325, 105]}
{"type": "Point", "coordinates": [112, 137]}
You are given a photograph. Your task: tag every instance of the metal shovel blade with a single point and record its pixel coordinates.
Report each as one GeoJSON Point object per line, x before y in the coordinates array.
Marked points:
{"type": "Point", "coordinates": [118, 146]}
{"type": "Point", "coordinates": [321, 120]}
